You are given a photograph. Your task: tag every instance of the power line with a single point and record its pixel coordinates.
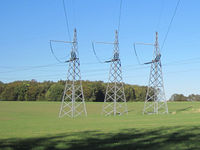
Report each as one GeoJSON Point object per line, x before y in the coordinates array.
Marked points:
{"type": "Point", "coordinates": [93, 43]}
{"type": "Point", "coordinates": [26, 68]}
{"type": "Point", "coordinates": [120, 11]}
{"type": "Point", "coordinates": [66, 19]}
{"type": "Point", "coordinates": [69, 35]}
{"type": "Point", "coordinates": [138, 60]}
{"type": "Point", "coordinates": [95, 54]}
{"type": "Point", "coordinates": [170, 24]}
{"type": "Point", "coordinates": [97, 74]}
{"type": "Point", "coordinates": [73, 4]}
{"type": "Point", "coordinates": [128, 67]}
{"type": "Point", "coordinates": [160, 14]}
{"type": "Point", "coordinates": [183, 62]}
{"type": "Point", "coordinates": [30, 68]}
{"type": "Point", "coordinates": [135, 51]}
{"type": "Point", "coordinates": [94, 51]}
{"type": "Point", "coordinates": [52, 51]}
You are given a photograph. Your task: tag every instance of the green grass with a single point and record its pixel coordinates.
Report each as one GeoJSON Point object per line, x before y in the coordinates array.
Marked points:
{"type": "Point", "coordinates": [35, 125]}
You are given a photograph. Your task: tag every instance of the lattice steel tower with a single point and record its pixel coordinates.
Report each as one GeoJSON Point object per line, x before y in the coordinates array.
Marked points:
{"type": "Point", "coordinates": [73, 103]}
{"type": "Point", "coordinates": [155, 102]}
{"type": "Point", "coordinates": [115, 100]}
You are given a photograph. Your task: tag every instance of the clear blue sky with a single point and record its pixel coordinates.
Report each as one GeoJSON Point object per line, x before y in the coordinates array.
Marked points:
{"type": "Point", "coordinates": [27, 26]}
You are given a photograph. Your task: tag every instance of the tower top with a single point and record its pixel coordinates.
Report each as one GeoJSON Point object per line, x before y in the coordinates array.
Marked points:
{"type": "Point", "coordinates": [156, 36]}
{"type": "Point", "coordinates": [75, 36]}
{"type": "Point", "coordinates": [156, 42]}
{"type": "Point", "coordinates": [116, 37]}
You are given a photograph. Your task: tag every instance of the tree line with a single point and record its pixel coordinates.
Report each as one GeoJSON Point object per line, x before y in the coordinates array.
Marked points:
{"type": "Point", "coordinates": [181, 97]}
{"type": "Point", "coordinates": [94, 91]}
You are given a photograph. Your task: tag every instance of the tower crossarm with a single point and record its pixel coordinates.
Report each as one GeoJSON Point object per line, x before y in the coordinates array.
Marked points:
{"type": "Point", "coordinates": [61, 41]}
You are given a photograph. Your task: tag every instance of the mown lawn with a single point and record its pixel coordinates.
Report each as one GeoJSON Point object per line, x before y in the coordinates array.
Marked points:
{"type": "Point", "coordinates": [35, 125]}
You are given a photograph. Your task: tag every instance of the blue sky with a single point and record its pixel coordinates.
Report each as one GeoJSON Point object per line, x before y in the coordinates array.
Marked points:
{"type": "Point", "coordinates": [27, 26]}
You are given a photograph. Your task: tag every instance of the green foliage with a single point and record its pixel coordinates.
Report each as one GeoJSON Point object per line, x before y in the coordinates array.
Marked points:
{"type": "Point", "coordinates": [21, 90]}
{"type": "Point", "coordinates": [32, 92]}
{"type": "Point", "coordinates": [193, 97]}
{"type": "Point", "coordinates": [140, 93]}
{"type": "Point", "coordinates": [43, 89]}
{"type": "Point", "coordinates": [55, 92]}
{"type": "Point", "coordinates": [98, 90]}
{"type": "Point", "coordinates": [9, 92]}
{"type": "Point", "coordinates": [181, 97]}
{"type": "Point", "coordinates": [94, 91]}
{"type": "Point", "coordinates": [129, 93]}
{"type": "Point", "coordinates": [1, 88]}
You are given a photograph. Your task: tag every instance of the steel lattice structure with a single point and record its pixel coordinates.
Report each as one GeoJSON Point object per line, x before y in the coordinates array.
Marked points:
{"type": "Point", "coordinates": [73, 103]}
{"type": "Point", "coordinates": [115, 100]}
{"type": "Point", "coordinates": [155, 102]}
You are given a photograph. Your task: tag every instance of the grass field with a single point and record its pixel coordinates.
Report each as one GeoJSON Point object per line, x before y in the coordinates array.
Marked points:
{"type": "Point", "coordinates": [35, 125]}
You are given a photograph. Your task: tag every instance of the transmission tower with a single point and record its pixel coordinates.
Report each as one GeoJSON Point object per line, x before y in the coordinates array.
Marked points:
{"type": "Point", "coordinates": [115, 100]}
{"type": "Point", "coordinates": [73, 103]}
{"type": "Point", "coordinates": [155, 102]}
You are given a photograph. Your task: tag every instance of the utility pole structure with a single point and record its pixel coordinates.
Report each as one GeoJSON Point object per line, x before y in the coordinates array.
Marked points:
{"type": "Point", "coordinates": [115, 100]}
{"type": "Point", "coordinates": [155, 102]}
{"type": "Point", "coordinates": [73, 102]}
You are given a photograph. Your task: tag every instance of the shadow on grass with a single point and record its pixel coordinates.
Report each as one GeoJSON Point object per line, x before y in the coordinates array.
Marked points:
{"type": "Point", "coordinates": [128, 139]}
{"type": "Point", "coordinates": [184, 109]}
